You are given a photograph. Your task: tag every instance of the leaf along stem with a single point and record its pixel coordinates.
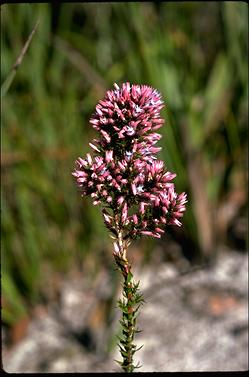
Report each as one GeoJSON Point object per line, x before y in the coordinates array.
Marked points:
{"type": "Point", "coordinates": [129, 306]}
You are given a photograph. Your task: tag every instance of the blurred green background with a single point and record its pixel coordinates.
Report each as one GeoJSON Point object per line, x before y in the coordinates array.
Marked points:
{"type": "Point", "coordinates": [194, 53]}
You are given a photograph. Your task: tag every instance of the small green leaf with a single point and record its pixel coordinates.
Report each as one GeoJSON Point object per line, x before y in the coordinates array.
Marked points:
{"type": "Point", "coordinates": [139, 348]}
{"type": "Point", "coordinates": [138, 331]}
{"type": "Point", "coordinates": [119, 362]}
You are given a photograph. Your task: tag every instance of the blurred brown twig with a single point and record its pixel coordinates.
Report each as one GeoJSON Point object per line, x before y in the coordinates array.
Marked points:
{"type": "Point", "coordinates": [9, 79]}
{"type": "Point", "coordinates": [80, 62]}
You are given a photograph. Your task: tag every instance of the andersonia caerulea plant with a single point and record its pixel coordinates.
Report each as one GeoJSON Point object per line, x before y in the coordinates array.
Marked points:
{"type": "Point", "coordinates": [132, 185]}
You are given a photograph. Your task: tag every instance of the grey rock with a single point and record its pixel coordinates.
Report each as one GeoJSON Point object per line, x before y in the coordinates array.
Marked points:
{"type": "Point", "coordinates": [196, 321]}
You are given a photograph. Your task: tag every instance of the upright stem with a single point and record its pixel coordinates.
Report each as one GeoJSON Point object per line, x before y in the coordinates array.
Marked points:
{"type": "Point", "coordinates": [129, 306]}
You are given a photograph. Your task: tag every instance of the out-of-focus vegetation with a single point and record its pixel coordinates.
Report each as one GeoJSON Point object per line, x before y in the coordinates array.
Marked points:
{"type": "Point", "coordinates": [194, 53]}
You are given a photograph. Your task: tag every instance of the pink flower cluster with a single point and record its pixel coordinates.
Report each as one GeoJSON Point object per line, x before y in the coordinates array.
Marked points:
{"type": "Point", "coordinates": [124, 175]}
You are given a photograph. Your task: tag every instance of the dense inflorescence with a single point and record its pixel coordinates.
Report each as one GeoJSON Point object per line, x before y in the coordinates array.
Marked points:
{"type": "Point", "coordinates": [124, 175]}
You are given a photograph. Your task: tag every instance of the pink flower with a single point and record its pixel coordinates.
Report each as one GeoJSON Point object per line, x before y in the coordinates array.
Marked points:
{"type": "Point", "coordinates": [120, 200]}
{"type": "Point", "coordinates": [135, 219]}
{"type": "Point", "coordinates": [94, 147]}
{"type": "Point", "coordinates": [139, 117]}
{"type": "Point", "coordinates": [124, 173]}
{"type": "Point", "coordinates": [109, 156]}
{"type": "Point", "coordinates": [142, 208]}
{"type": "Point", "coordinates": [124, 213]}
{"type": "Point", "coordinates": [107, 218]}
{"type": "Point", "coordinates": [147, 233]}
{"type": "Point", "coordinates": [134, 189]}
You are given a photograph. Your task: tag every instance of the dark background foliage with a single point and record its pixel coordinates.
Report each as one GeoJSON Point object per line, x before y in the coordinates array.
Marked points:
{"type": "Point", "coordinates": [195, 54]}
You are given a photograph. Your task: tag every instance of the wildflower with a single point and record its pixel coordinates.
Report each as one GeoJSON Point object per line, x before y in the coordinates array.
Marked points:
{"type": "Point", "coordinates": [120, 160]}
{"type": "Point", "coordinates": [140, 189]}
{"type": "Point", "coordinates": [109, 156]}
{"type": "Point", "coordinates": [128, 155]}
{"type": "Point", "coordinates": [124, 212]}
{"type": "Point", "coordinates": [133, 186]}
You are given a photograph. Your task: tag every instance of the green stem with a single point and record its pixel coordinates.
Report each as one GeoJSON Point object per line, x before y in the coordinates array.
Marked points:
{"type": "Point", "coordinates": [129, 306]}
